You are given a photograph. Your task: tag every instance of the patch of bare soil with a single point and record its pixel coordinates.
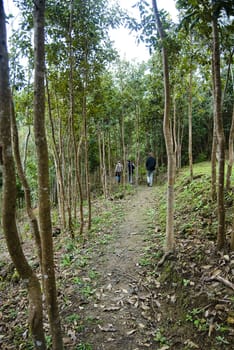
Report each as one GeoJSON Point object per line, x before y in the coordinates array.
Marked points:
{"type": "Point", "coordinates": [120, 302]}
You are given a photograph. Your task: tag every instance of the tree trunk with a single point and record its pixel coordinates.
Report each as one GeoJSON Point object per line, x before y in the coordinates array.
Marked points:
{"type": "Point", "coordinates": [179, 143]}
{"type": "Point", "coordinates": [171, 163]}
{"type": "Point", "coordinates": [104, 165]}
{"type": "Point", "coordinates": [48, 274]}
{"type": "Point", "coordinates": [109, 164]}
{"type": "Point", "coordinates": [84, 116]}
{"type": "Point", "coordinates": [58, 166]}
{"type": "Point", "coordinates": [26, 148]}
{"type": "Point", "coordinates": [174, 130]}
{"type": "Point", "coordinates": [230, 154]}
{"type": "Point", "coordinates": [9, 199]}
{"type": "Point", "coordinates": [214, 146]}
{"type": "Point", "coordinates": [190, 148]}
{"type": "Point", "coordinates": [24, 181]}
{"type": "Point", "coordinates": [213, 164]}
{"type": "Point", "coordinates": [232, 236]}
{"type": "Point", "coordinates": [231, 132]}
{"type": "Point", "coordinates": [220, 133]}
{"type": "Point", "coordinates": [100, 157]}
{"type": "Point", "coordinates": [138, 111]}
{"type": "Point", "coordinates": [124, 150]}
{"type": "Point", "coordinates": [84, 113]}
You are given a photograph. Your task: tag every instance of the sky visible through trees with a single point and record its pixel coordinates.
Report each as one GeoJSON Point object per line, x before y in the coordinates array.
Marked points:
{"type": "Point", "coordinates": [124, 41]}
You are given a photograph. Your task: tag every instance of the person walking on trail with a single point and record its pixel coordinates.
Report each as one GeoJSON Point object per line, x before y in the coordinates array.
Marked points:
{"type": "Point", "coordinates": [150, 165]}
{"type": "Point", "coordinates": [131, 168]}
{"type": "Point", "coordinates": [118, 171]}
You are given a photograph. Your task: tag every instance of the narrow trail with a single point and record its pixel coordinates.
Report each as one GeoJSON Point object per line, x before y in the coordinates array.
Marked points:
{"type": "Point", "coordinates": [121, 304]}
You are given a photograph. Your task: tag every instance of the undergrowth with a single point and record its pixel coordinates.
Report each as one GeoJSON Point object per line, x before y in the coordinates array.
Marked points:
{"type": "Point", "coordinates": [194, 313]}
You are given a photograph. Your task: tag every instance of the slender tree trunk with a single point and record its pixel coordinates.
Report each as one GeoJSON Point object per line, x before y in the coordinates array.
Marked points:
{"type": "Point", "coordinates": [84, 113]}
{"type": "Point", "coordinates": [220, 133]}
{"type": "Point", "coordinates": [100, 158]}
{"type": "Point", "coordinates": [179, 143]}
{"type": "Point", "coordinates": [101, 143]}
{"type": "Point", "coordinates": [213, 164]}
{"type": "Point", "coordinates": [58, 167]}
{"type": "Point", "coordinates": [109, 164]}
{"type": "Point", "coordinates": [81, 202]}
{"type": "Point", "coordinates": [190, 149]}
{"type": "Point", "coordinates": [214, 146]}
{"type": "Point", "coordinates": [24, 181]}
{"type": "Point", "coordinates": [71, 99]}
{"type": "Point", "coordinates": [137, 144]}
{"type": "Point", "coordinates": [48, 274]}
{"type": "Point", "coordinates": [104, 165]}
{"type": "Point", "coordinates": [230, 154]}
{"type": "Point", "coordinates": [174, 131]}
{"type": "Point", "coordinates": [9, 198]}
{"type": "Point", "coordinates": [124, 149]}
{"type": "Point", "coordinates": [232, 236]}
{"type": "Point", "coordinates": [171, 163]}
{"type": "Point", "coordinates": [26, 148]}
{"type": "Point", "coordinates": [231, 132]}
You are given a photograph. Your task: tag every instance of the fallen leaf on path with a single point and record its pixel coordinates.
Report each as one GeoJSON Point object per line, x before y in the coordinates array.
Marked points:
{"type": "Point", "coordinates": [125, 291]}
{"type": "Point", "coordinates": [72, 335]}
{"type": "Point", "coordinates": [173, 299]}
{"type": "Point", "coordinates": [206, 267]}
{"type": "Point", "coordinates": [191, 344]}
{"type": "Point", "coordinates": [66, 340]}
{"type": "Point", "coordinates": [216, 272]}
{"type": "Point", "coordinates": [111, 308]}
{"type": "Point", "coordinates": [141, 325]}
{"type": "Point", "coordinates": [159, 316]}
{"type": "Point", "coordinates": [165, 347]}
{"type": "Point", "coordinates": [131, 331]}
{"type": "Point", "coordinates": [147, 317]}
{"type": "Point", "coordinates": [230, 320]}
{"type": "Point", "coordinates": [109, 287]}
{"type": "Point", "coordinates": [144, 307]}
{"type": "Point", "coordinates": [157, 303]}
{"type": "Point", "coordinates": [108, 328]}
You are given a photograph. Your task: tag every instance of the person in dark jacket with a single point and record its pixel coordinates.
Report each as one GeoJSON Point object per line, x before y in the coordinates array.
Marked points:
{"type": "Point", "coordinates": [131, 168]}
{"type": "Point", "coordinates": [150, 165]}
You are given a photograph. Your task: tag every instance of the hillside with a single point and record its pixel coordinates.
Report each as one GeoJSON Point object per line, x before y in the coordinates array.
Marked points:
{"type": "Point", "coordinates": [112, 292]}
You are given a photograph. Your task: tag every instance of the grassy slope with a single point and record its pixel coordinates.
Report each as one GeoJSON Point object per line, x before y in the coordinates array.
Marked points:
{"type": "Point", "coordinates": [199, 311]}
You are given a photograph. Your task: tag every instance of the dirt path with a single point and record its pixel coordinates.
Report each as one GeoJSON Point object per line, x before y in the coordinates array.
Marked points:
{"type": "Point", "coordinates": [121, 304]}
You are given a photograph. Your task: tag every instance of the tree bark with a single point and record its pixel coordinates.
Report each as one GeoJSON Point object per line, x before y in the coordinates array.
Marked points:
{"type": "Point", "coordinates": [84, 115]}
{"type": "Point", "coordinates": [24, 181]}
{"type": "Point", "coordinates": [9, 199]}
{"type": "Point", "coordinates": [220, 133]}
{"type": "Point", "coordinates": [105, 189]}
{"type": "Point", "coordinates": [26, 147]}
{"type": "Point", "coordinates": [230, 154]}
{"type": "Point", "coordinates": [58, 166]}
{"type": "Point", "coordinates": [190, 148]}
{"type": "Point", "coordinates": [48, 273]}
{"type": "Point", "coordinates": [138, 112]}
{"type": "Point", "coordinates": [213, 164]}
{"type": "Point", "coordinates": [232, 236]}
{"type": "Point", "coordinates": [171, 163]}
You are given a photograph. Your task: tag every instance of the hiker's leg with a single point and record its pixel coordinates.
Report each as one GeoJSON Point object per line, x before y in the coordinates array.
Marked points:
{"type": "Point", "coordinates": [151, 178]}
{"type": "Point", "coordinates": [148, 177]}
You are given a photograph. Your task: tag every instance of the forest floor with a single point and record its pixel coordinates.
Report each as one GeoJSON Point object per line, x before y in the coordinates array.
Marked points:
{"type": "Point", "coordinates": [114, 295]}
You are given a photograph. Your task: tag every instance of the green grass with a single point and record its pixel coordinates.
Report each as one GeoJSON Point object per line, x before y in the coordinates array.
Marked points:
{"type": "Point", "coordinates": [195, 212]}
